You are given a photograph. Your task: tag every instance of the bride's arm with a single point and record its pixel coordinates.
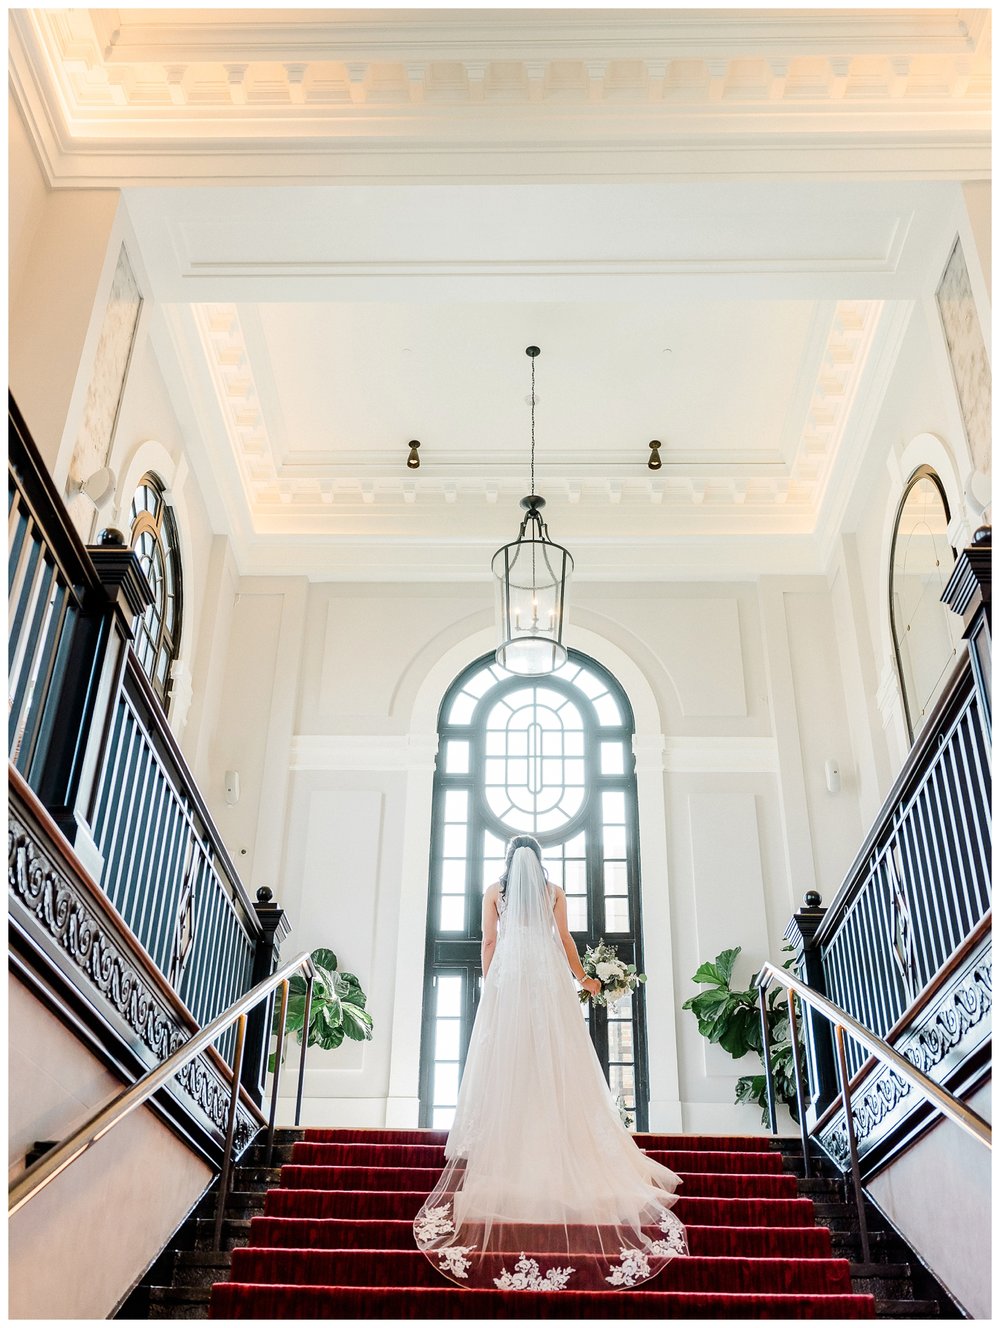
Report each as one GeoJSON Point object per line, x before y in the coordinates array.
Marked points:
{"type": "Point", "coordinates": [569, 945]}
{"type": "Point", "coordinates": [489, 927]}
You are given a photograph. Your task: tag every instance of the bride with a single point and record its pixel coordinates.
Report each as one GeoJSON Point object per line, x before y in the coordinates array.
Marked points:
{"type": "Point", "coordinates": [543, 1187]}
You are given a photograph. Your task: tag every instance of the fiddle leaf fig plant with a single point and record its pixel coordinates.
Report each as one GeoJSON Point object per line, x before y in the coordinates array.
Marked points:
{"type": "Point", "coordinates": [337, 1009]}
{"type": "Point", "coordinates": [731, 1017]}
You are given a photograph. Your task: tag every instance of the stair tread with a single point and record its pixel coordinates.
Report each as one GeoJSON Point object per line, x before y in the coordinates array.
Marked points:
{"type": "Point", "coordinates": [338, 1173]}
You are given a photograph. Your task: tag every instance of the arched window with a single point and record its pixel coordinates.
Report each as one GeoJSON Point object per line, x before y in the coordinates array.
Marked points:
{"type": "Point", "coordinates": [154, 538]}
{"type": "Point", "coordinates": [924, 631]}
{"type": "Point", "coordinates": [550, 756]}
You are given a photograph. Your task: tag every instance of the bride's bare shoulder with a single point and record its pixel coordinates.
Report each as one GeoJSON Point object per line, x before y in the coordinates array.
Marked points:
{"type": "Point", "coordinates": [492, 891]}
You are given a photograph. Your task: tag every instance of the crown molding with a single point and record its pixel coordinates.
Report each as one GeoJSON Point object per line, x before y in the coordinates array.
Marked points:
{"type": "Point", "coordinates": [142, 96]}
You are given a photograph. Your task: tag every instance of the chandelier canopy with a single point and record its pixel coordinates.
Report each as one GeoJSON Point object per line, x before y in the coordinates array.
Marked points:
{"type": "Point", "coordinates": [531, 575]}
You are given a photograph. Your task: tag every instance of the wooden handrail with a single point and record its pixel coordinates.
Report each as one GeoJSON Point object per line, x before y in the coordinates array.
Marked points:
{"type": "Point", "coordinates": [949, 1105]}
{"type": "Point", "coordinates": [106, 1117]}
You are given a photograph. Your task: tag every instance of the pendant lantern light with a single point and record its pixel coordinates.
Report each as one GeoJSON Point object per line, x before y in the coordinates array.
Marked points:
{"type": "Point", "coordinates": [531, 576]}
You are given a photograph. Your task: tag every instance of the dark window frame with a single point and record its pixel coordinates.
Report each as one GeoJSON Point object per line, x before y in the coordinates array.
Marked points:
{"type": "Point", "coordinates": [459, 951]}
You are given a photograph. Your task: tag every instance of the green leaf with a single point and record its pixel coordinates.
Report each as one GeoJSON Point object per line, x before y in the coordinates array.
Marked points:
{"type": "Point", "coordinates": [720, 970]}
{"type": "Point", "coordinates": [325, 959]}
{"type": "Point", "coordinates": [736, 1036]}
{"type": "Point", "coordinates": [357, 1022]}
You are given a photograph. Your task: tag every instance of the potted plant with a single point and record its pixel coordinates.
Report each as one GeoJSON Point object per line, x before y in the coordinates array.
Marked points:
{"type": "Point", "coordinates": [731, 1017]}
{"type": "Point", "coordinates": [337, 1009]}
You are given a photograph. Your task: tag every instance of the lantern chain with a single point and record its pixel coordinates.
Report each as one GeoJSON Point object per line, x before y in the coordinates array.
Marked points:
{"type": "Point", "coordinates": [532, 489]}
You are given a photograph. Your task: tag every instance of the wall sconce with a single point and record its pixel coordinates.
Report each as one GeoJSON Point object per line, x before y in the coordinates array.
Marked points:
{"type": "Point", "coordinates": [654, 462]}
{"type": "Point", "coordinates": [832, 772]}
{"type": "Point", "coordinates": [413, 461]}
{"type": "Point", "coordinates": [232, 787]}
{"type": "Point", "coordinates": [99, 487]}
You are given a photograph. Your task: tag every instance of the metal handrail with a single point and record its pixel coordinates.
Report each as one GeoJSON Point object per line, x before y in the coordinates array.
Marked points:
{"type": "Point", "coordinates": [950, 1106]}
{"type": "Point", "coordinates": [105, 1118]}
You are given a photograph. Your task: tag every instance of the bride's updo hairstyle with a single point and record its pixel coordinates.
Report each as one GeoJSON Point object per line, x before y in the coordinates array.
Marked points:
{"type": "Point", "coordinates": [516, 842]}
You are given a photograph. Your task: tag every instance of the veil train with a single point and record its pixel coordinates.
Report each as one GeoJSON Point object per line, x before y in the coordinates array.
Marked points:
{"type": "Point", "coordinates": [543, 1187]}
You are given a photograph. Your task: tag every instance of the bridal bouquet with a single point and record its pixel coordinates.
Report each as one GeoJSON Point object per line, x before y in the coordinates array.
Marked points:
{"type": "Point", "coordinates": [617, 979]}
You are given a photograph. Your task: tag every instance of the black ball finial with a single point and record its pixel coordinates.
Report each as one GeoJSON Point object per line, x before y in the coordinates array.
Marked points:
{"type": "Point", "coordinates": [111, 538]}
{"type": "Point", "coordinates": [984, 535]}
{"type": "Point", "coordinates": [812, 899]}
{"type": "Point", "coordinates": [264, 895]}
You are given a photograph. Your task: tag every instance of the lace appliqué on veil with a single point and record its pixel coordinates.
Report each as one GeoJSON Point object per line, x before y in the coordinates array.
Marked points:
{"type": "Point", "coordinates": [673, 1229]}
{"type": "Point", "coordinates": [432, 1224]}
{"type": "Point", "coordinates": [452, 1259]}
{"type": "Point", "coordinates": [527, 1277]}
{"type": "Point", "coordinates": [634, 1267]}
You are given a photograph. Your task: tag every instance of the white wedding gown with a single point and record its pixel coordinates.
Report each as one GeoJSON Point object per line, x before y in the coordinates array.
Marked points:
{"type": "Point", "coordinates": [543, 1187]}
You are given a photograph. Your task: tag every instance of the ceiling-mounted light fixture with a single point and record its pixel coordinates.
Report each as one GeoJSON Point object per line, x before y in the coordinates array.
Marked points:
{"type": "Point", "coordinates": [531, 576]}
{"type": "Point", "coordinates": [654, 462]}
{"type": "Point", "coordinates": [412, 460]}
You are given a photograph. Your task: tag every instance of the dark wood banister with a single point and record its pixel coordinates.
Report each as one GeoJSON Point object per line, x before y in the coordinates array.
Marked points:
{"type": "Point", "coordinates": [961, 683]}
{"type": "Point", "coordinates": [161, 732]}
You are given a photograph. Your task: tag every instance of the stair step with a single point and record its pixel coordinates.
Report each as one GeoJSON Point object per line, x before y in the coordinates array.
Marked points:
{"type": "Point", "coordinates": [907, 1309]}
{"type": "Point", "coordinates": [179, 1302]}
{"type": "Point", "coordinates": [785, 1199]}
{"type": "Point", "coordinates": [235, 1232]}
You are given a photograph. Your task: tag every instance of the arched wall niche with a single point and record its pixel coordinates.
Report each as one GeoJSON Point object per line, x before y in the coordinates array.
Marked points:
{"type": "Point", "coordinates": [439, 670]}
{"type": "Point", "coordinates": [925, 449]}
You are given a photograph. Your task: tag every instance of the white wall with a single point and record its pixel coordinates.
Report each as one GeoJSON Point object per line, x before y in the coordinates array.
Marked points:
{"type": "Point", "coordinates": [78, 1247]}
{"type": "Point", "coordinates": [939, 1195]}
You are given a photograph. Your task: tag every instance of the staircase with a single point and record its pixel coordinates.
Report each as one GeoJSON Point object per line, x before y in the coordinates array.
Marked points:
{"type": "Point", "coordinates": [327, 1234]}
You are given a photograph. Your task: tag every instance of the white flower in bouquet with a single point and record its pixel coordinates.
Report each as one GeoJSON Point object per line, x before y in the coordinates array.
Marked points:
{"type": "Point", "coordinates": [617, 979]}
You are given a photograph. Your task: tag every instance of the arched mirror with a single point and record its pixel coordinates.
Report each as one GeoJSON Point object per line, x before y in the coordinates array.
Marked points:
{"type": "Point", "coordinates": [925, 632]}
{"type": "Point", "coordinates": [154, 538]}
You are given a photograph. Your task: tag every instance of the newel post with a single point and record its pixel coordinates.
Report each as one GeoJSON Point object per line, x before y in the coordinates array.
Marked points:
{"type": "Point", "coordinates": [274, 929]}
{"type": "Point", "coordinates": [969, 593]}
{"type": "Point", "coordinates": [822, 1073]}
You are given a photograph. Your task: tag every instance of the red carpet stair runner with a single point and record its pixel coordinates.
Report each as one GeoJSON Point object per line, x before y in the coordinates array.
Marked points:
{"type": "Point", "coordinates": [335, 1241]}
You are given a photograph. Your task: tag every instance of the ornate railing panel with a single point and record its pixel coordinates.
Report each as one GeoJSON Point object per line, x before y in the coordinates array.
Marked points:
{"type": "Point", "coordinates": [66, 935]}
{"type": "Point", "coordinates": [165, 869]}
{"type": "Point", "coordinates": [948, 1038]}
{"type": "Point", "coordinates": [922, 882]}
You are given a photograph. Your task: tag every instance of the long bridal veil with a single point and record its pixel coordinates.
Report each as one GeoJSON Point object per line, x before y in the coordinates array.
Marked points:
{"type": "Point", "coordinates": [543, 1187]}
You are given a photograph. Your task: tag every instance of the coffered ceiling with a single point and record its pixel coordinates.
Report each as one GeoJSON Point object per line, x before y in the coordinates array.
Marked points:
{"type": "Point", "coordinates": [717, 225]}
